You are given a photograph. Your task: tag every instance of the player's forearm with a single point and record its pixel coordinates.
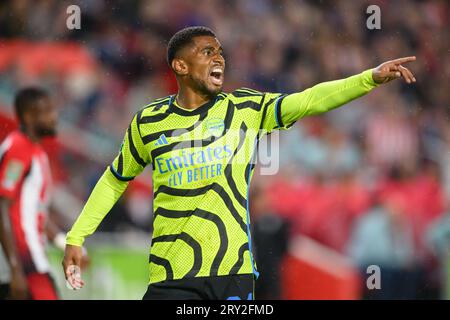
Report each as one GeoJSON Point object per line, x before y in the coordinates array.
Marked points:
{"type": "Point", "coordinates": [105, 194]}
{"type": "Point", "coordinates": [7, 238]}
{"type": "Point", "coordinates": [326, 96]}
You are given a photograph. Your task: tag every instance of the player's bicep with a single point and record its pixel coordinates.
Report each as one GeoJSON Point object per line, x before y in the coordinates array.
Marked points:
{"type": "Point", "coordinates": [5, 204]}
{"type": "Point", "coordinates": [132, 157]}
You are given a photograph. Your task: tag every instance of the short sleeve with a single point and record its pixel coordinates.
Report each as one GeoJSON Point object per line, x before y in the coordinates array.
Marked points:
{"type": "Point", "coordinates": [132, 157]}
{"type": "Point", "coordinates": [14, 164]}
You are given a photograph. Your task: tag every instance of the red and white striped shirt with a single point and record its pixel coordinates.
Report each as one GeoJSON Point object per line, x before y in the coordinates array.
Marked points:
{"type": "Point", "coordinates": [25, 180]}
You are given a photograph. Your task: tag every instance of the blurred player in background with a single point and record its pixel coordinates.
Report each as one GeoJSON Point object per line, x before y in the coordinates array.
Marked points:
{"type": "Point", "coordinates": [201, 246]}
{"type": "Point", "coordinates": [25, 185]}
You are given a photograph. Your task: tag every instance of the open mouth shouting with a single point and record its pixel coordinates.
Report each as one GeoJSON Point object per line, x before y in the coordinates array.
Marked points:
{"type": "Point", "coordinates": [216, 75]}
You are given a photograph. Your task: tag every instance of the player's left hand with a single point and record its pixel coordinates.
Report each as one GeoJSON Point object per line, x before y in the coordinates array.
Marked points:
{"type": "Point", "coordinates": [73, 256]}
{"type": "Point", "coordinates": [393, 69]}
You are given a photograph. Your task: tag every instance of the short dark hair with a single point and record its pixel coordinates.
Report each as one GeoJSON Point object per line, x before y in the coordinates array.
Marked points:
{"type": "Point", "coordinates": [184, 37]}
{"type": "Point", "coordinates": [26, 98]}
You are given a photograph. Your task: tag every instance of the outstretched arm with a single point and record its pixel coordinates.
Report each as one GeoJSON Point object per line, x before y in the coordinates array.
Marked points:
{"type": "Point", "coordinates": [332, 94]}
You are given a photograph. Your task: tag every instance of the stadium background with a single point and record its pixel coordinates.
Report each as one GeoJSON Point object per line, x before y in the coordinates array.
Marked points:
{"type": "Point", "coordinates": [368, 184]}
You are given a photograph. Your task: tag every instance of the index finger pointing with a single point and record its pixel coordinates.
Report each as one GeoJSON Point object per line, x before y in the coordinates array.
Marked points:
{"type": "Point", "coordinates": [404, 59]}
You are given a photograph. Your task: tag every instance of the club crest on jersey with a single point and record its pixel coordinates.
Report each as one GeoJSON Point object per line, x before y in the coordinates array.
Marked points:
{"type": "Point", "coordinates": [13, 173]}
{"type": "Point", "coordinates": [215, 126]}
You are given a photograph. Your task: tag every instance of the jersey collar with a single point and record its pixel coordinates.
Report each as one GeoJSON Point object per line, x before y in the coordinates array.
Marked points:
{"type": "Point", "coordinates": [204, 107]}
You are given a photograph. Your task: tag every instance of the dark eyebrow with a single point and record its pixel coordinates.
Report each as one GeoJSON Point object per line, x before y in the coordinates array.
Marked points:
{"type": "Point", "coordinates": [212, 48]}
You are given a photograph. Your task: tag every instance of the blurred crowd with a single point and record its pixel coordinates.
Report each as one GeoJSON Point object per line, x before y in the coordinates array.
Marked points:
{"type": "Point", "coordinates": [374, 172]}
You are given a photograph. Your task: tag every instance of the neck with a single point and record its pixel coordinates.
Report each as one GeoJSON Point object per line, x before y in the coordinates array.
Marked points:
{"type": "Point", "coordinates": [30, 134]}
{"type": "Point", "coordinates": [188, 98]}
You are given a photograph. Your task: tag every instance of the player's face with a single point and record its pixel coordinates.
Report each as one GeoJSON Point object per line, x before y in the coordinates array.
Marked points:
{"type": "Point", "coordinates": [206, 65]}
{"type": "Point", "coordinates": [45, 117]}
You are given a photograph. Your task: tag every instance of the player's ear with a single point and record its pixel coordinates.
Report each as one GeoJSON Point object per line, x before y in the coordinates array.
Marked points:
{"type": "Point", "coordinates": [179, 66]}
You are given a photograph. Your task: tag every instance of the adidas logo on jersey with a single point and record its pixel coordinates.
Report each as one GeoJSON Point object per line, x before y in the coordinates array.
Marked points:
{"type": "Point", "coordinates": [162, 140]}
